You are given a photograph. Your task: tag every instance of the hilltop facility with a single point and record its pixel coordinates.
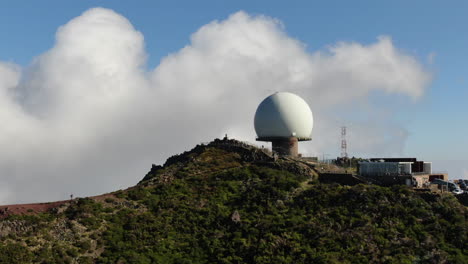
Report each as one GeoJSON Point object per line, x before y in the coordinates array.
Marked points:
{"type": "Point", "coordinates": [408, 171]}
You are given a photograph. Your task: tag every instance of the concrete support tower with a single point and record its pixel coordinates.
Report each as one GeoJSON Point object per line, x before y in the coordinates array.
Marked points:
{"type": "Point", "coordinates": [283, 146]}
{"type": "Point", "coordinates": [284, 119]}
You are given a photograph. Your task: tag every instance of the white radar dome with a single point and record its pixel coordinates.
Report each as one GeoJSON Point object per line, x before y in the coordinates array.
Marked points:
{"type": "Point", "coordinates": [284, 115]}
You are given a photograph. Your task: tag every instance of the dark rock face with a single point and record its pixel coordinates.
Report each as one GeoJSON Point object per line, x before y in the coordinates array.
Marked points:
{"type": "Point", "coordinates": [153, 171]}
{"type": "Point", "coordinates": [463, 198]}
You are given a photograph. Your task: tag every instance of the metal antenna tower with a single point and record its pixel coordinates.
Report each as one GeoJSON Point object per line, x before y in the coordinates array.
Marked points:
{"type": "Point", "coordinates": [344, 152]}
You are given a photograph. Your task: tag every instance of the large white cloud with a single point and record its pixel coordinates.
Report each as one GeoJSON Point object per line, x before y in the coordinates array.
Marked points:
{"type": "Point", "coordinates": [88, 117]}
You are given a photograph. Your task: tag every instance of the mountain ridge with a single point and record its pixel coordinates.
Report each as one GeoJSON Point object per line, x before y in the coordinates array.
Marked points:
{"type": "Point", "coordinates": [231, 202]}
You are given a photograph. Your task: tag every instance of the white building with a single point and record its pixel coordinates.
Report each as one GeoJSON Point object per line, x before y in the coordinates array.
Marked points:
{"type": "Point", "coordinates": [407, 171]}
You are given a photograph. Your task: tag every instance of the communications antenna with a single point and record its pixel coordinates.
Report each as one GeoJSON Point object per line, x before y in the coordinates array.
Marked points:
{"type": "Point", "coordinates": [344, 152]}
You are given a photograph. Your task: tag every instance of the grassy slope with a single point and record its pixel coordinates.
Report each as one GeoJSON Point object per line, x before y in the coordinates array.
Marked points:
{"type": "Point", "coordinates": [216, 206]}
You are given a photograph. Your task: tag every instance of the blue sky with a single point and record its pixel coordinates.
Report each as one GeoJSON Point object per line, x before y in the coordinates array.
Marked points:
{"type": "Point", "coordinates": [431, 32]}
{"type": "Point", "coordinates": [437, 122]}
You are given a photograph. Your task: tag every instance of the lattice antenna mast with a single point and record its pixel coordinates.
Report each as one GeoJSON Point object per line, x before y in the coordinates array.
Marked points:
{"type": "Point", "coordinates": [344, 145]}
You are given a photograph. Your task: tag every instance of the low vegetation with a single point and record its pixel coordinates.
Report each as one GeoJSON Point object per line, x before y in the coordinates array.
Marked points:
{"type": "Point", "coordinates": [216, 206]}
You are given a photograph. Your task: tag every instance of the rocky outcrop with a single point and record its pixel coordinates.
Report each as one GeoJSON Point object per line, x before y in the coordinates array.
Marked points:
{"type": "Point", "coordinates": [14, 227]}
{"type": "Point", "coordinates": [247, 152]}
{"type": "Point", "coordinates": [290, 166]}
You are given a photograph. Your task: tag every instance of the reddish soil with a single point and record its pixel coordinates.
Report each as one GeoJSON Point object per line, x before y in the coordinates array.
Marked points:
{"type": "Point", "coordinates": [28, 209]}
{"type": "Point", "coordinates": [35, 208]}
